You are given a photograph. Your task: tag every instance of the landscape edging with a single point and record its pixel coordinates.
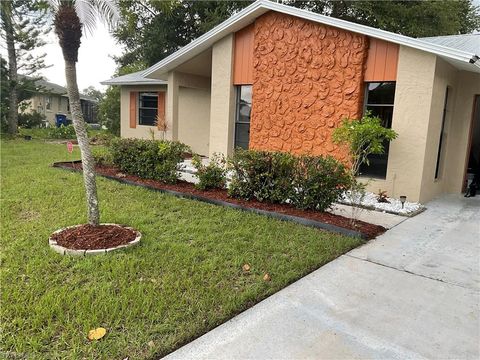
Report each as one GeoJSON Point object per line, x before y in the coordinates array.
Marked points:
{"type": "Point", "coordinates": [89, 252]}
{"type": "Point", "coordinates": [272, 214]}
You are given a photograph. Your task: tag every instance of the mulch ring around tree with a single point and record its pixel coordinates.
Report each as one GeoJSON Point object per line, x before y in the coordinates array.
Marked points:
{"type": "Point", "coordinates": [366, 230]}
{"type": "Point", "coordinates": [89, 237]}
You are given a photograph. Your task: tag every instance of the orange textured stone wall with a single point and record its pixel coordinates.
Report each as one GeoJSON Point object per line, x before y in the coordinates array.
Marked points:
{"type": "Point", "coordinates": [307, 77]}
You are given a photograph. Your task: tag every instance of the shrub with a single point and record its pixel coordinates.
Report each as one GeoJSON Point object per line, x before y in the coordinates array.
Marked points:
{"type": "Point", "coordinates": [102, 156]}
{"type": "Point", "coordinates": [101, 138]}
{"type": "Point", "coordinates": [211, 176]}
{"type": "Point", "coordinates": [149, 159]}
{"type": "Point", "coordinates": [318, 182]}
{"type": "Point", "coordinates": [261, 175]}
{"type": "Point", "coordinates": [62, 132]}
{"type": "Point", "coordinates": [30, 120]}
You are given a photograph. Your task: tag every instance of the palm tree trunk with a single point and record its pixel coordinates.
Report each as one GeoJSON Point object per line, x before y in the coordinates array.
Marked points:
{"type": "Point", "coordinates": [88, 163]}
{"type": "Point", "coordinates": [12, 117]}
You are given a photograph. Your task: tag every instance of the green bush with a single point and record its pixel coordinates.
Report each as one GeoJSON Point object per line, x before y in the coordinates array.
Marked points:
{"type": "Point", "coordinates": [211, 176]}
{"type": "Point", "coordinates": [102, 156]}
{"type": "Point", "coordinates": [261, 175]}
{"type": "Point", "coordinates": [62, 132]}
{"type": "Point", "coordinates": [30, 120]}
{"type": "Point", "coordinates": [307, 182]}
{"type": "Point", "coordinates": [149, 159]}
{"type": "Point", "coordinates": [319, 181]}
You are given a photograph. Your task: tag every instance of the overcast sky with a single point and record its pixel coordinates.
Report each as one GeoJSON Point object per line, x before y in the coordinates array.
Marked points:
{"type": "Point", "coordinates": [95, 61]}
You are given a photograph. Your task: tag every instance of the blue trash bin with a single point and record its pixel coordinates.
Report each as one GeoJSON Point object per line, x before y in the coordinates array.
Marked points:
{"type": "Point", "coordinates": [60, 119]}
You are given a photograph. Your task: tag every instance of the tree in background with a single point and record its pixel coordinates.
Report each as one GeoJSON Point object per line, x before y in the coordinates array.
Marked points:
{"type": "Point", "coordinates": [69, 28]}
{"type": "Point", "coordinates": [152, 30]}
{"type": "Point", "coordinates": [93, 93]}
{"type": "Point", "coordinates": [411, 18]}
{"type": "Point", "coordinates": [23, 22]}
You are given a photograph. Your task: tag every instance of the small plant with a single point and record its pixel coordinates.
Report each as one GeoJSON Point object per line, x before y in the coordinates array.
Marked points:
{"type": "Point", "coordinates": [211, 176]}
{"type": "Point", "coordinates": [102, 156]}
{"type": "Point", "coordinates": [62, 132]}
{"type": "Point", "coordinates": [382, 196]}
{"type": "Point", "coordinates": [161, 123]}
{"type": "Point", "coordinates": [363, 137]}
{"type": "Point", "coordinates": [149, 159]}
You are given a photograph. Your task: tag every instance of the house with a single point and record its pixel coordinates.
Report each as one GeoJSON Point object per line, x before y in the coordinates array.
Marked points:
{"type": "Point", "coordinates": [52, 99]}
{"type": "Point", "coordinates": [274, 77]}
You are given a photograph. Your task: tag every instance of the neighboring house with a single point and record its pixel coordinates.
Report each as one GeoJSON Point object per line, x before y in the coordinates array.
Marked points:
{"type": "Point", "coordinates": [273, 77]}
{"type": "Point", "coordinates": [52, 99]}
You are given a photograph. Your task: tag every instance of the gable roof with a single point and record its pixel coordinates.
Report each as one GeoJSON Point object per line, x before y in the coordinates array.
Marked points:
{"type": "Point", "coordinates": [47, 87]}
{"type": "Point", "coordinates": [465, 42]}
{"type": "Point", "coordinates": [135, 78]}
{"type": "Point", "coordinates": [461, 59]}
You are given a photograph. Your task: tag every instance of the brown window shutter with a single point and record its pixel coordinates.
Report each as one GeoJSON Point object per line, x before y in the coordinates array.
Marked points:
{"type": "Point", "coordinates": [161, 121]}
{"type": "Point", "coordinates": [133, 109]}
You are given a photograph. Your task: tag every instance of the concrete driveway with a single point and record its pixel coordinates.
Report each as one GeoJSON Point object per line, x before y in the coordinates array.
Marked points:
{"type": "Point", "coordinates": [414, 292]}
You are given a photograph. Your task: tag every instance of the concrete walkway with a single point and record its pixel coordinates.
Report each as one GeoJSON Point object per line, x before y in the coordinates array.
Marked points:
{"type": "Point", "coordinates": [412, 293]}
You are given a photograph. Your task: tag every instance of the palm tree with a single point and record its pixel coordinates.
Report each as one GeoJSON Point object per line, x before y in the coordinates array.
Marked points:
{"type": "Point", "coordinates": [70, 18]}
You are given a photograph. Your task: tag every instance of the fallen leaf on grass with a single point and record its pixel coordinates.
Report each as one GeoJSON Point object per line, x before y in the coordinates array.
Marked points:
{"type": "Point", "coordinates": [151, 344]}
{"type": "Point", "coordinates": [97, 334]}
{"type": "Point", "coordinates": [246, 267]}
{"type": "Point", "coordinates": [266, 277]}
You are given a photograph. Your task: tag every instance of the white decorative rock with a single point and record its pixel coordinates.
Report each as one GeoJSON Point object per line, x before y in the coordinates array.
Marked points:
{"type": "Point", "coordinates": [79, 252]}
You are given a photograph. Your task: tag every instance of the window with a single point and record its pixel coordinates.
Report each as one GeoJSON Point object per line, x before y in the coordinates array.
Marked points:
{"type": "Point", "coordinates": [147, 108]}
{"type": "Point", "coordinates": [379, 98]}
{"type": "Point", "coordinates": [68, 105]}
{"type": "Point", "coordinates": [442, 135]}
{"type": "Point", "coordinates": [242, 117]}
{"type": "Point", "coordinates": [48, 102]}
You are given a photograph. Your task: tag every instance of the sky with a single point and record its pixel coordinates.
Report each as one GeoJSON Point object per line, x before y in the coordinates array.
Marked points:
{"type": "Point", "coordinates": [95, 61]}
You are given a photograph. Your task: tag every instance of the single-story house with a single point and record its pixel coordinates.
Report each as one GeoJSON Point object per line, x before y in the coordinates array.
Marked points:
{"type": "Point", "coordinates": [52, 99]}
{"type": "Point", "coordinates": [274, 77]}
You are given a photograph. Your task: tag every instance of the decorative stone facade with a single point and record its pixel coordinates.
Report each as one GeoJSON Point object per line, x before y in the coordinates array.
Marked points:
{"type": "Point", "coordinates": [307, 77]}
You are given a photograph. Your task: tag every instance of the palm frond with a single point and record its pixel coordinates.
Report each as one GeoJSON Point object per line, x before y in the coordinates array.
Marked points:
{"type": "Point", "coordinates": [91, 11]}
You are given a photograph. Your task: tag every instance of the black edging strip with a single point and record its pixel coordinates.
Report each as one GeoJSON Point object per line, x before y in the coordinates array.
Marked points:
{"type": "Point", "coordinates": [272, 214]}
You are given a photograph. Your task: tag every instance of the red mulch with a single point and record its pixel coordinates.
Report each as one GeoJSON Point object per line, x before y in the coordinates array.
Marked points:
{"type": "Point", "coordinates": [89, 237]}
{"type": "Point", "coordinates": [369, 230]}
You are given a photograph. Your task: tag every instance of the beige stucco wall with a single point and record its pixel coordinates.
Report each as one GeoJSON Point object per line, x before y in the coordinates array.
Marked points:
{"type": "Point", "coordinates": [38, 103]}
{"type": "Point", "coordinates": [141, 131]}
{"type": "Point", "coordinates": [422, 80]}
{"type": "Point", "coordinates": [194, 118]}
{"type": "Point", "coordinates": [411, 114]}
{"type": "Point", "coordinates": [222, 98]}
{"type": "Point", "coordinates": [467, 86]}
{"type": "Point", "coordinates": [445, 76]}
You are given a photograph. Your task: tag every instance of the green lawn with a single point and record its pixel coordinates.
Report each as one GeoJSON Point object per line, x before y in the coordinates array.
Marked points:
{"type": "Point", "coordinates": [184, 279]}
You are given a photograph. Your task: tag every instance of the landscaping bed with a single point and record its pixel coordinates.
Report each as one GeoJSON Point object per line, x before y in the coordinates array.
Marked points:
{"type": "Point", "coordinates": [330, 221]}
{"type": "Point", "coordinates": [89, 237]}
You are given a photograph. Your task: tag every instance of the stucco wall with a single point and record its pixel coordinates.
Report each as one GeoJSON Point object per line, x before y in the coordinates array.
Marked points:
{"type": "Point", "coordinates": [307, 78]}
{"type": "Point", "coordinates": [222, 97]}
{"type": "Point", "coordinates": [467, 85]}
{"type": "Point", "coordinates": [411, 115]}
{"type": "Point", "coordinates": [194, 118]}
{"type": "Point", "coordinates": [141, 131]}
{"type": "Point", "coordinates": [58, 106]}
{"type": "Point", "coordinates": [445, 76]}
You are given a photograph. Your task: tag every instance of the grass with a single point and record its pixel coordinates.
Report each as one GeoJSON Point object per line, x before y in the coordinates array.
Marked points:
{"type": "Point", "coordinates": [184, 279]}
